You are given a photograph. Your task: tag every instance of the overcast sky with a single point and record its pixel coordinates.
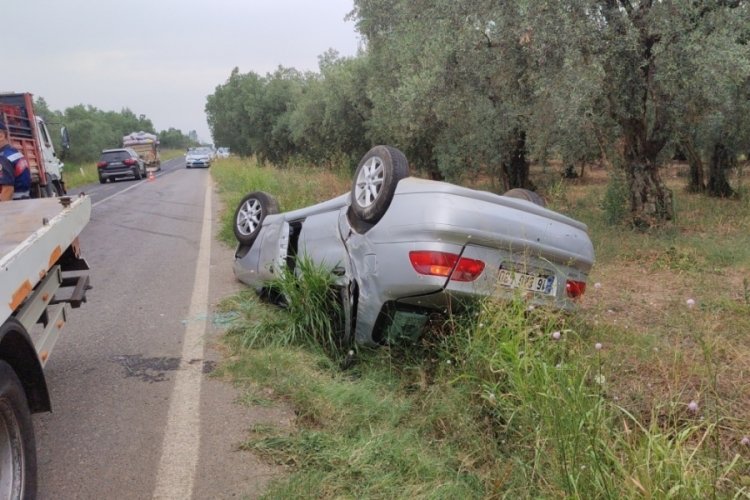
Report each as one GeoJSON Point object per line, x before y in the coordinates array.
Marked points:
{"type": "Point", "coordinates": [160, 58]}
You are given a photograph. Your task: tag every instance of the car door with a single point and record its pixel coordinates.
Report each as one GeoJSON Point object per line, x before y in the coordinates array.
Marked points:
{"type": "Point", "coordinates": [320, 241]}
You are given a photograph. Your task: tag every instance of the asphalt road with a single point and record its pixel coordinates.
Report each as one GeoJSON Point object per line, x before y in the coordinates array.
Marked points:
{"type": "Point", "coordinates": [136, 413]}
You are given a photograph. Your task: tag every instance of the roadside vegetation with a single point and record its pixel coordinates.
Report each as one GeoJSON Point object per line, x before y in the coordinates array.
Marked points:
{"type": "Point", "coordinates": [641, 393]}
{"type": "Point", "coordinates": [470, 89]}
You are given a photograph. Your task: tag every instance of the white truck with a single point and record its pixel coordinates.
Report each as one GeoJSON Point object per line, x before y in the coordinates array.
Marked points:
{"type": "Point", "coordinates": [29, 134]}
{"type": "Point", "coordinates": [42, 276]}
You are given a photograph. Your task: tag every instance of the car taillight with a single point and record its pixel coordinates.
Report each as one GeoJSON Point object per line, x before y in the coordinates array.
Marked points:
{"type": "Point", "coordinates": [129, 162]}
{"type": "Point", "coordinates": [446, 264]}
{"type": "Point", "coordinates": [574, 288]}
{"type": "Point", "coordinates": [101, 164]}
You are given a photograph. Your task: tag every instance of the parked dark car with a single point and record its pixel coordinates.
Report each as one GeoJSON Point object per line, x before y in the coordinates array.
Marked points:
{"type": "Point", "coordinates": [402, 248]}
{"type": "Point", "coordinates": [116, 163]}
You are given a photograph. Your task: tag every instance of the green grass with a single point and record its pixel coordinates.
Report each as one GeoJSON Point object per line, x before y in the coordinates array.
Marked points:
{"type": "Point", "coordinates": [507, 401]}
{"type": "Point", "coordinates": [293, 187]}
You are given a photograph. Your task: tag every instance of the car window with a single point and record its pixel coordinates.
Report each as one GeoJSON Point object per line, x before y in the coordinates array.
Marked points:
{"type": "Point", "coordinates": [115, 156]}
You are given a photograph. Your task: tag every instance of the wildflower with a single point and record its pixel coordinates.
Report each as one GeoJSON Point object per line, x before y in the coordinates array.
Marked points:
{"type": "Point", "coordinates": [598, 346]}
{"type": "Point", "coordinates": [351, 353]}
{"type": "Point", "coordinates": [530, 308]}
{"type": "Point", "coordinates": [693, 407]}
{"type": "Point", "coordinates": [449, 361]}
{"type": "Point", "coordinates": [599, 379]}
{"type": "Point", "coordinates": [556, 335]}
{"type": "Point", "coordinates": [690, 303]}
{"type": "Point", "coordinates": [745, 441]}
{"type": "Point", "coordinates": [597, 285]}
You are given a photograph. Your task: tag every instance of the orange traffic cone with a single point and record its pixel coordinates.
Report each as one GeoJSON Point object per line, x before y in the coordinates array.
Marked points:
{"type": "Point", "coordinates": [151, 175]}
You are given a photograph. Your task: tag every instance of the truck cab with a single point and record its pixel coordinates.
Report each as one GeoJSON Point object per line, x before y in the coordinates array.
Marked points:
{"type": "Point", "coordinates": [53, 166]}
{"type": "Point", "coordinates": [30, 135]}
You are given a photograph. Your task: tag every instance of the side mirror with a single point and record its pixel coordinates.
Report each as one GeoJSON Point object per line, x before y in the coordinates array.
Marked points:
{"type": "Point", "coordinates": [65, 140]}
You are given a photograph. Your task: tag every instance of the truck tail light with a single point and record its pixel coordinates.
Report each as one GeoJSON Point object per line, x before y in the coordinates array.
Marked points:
{"type": "Point", "coordinates": [102, 164]}
{"type": "Point", "coordinates": [129, 162]}
{"type": "Point", "coordinates": [574, 288]}
{"type": "Point", "coordinates": [446, 264]}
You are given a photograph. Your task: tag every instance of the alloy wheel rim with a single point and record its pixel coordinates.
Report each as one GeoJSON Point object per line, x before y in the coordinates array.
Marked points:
{"type": "Point", "coordinates": [369, 182]}
{"type": "Point", "coordinates": [248, 218]}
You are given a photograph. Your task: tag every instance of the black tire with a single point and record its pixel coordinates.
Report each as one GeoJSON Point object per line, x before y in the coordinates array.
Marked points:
{"type": "Point", "coordinates": [137, 174]}
{"type": "Point", "coordinates": [17, 435]}
{"type": "Point", "coordinates": [375, 181]}
{"type": "Point", "coordinates": [58, 188]}
{"type": "Point", "coordinates": [53, 189]}
{"type": "Point", "coordinates": [248, 218]}
{"type": "Point", "coordinates": [102, 180]}
{"type": "Point", "coordinates": [526, 194]}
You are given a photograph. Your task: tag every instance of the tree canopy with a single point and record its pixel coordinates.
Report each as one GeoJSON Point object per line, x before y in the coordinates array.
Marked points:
{"type": "Point", "coordinates": [91, 130]}
{"type": "Point", "coordinates": [484, 86]}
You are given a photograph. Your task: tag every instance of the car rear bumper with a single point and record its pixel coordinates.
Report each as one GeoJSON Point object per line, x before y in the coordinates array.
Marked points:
{"type": "Point", "coordinates": [118, 172]}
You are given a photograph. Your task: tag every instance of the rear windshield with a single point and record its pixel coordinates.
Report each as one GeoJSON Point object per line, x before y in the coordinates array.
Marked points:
{"type": "Point", "coordinates": [115, 156]}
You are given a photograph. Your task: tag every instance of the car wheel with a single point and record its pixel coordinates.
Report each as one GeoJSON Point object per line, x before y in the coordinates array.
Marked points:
{"type": "Point", "coordinates": [375, 181]}
{"type": "Point", "coordinates": [526, 194]}
{"type": "Point", "coordinates": [250, 213]}
{"type": "Point", "coordinates": [54, 189]}
{"type": "Point", "coordinates": [137, 174]}
{"type": "Point", "coordinates": [17, 447]}
{"type": "Point", "coordinates": [102, 180]}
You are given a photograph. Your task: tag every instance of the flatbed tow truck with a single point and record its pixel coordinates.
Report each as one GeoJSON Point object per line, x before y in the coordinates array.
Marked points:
{"type": "Point", "coordinates": [42, 276]}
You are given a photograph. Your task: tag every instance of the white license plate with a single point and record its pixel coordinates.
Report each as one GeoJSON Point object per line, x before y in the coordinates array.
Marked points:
{"type": "Point", "coordinates": [532, 282]}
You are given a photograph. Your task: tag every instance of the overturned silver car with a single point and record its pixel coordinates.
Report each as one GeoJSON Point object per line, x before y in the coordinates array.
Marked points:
{"type": "Point", "coordinates": [402, 247]}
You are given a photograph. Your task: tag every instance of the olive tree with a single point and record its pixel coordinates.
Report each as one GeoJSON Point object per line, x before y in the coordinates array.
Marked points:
{"type": "Point", "coordinates": [332, 111]}
{"type": "Point", "coordinates": [661, 61]}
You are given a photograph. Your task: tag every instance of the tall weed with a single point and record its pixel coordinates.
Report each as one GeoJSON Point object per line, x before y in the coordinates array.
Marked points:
{"type": "Point", "coordinates": [312, 311]}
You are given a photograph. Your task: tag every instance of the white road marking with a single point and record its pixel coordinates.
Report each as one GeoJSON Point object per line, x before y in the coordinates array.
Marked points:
{"type": "Point", "coordinates": [179, 457]}
{"type": "Point", "coordinates": [156, 175]}
{"type": "Point", "coordinates": [116, 194]}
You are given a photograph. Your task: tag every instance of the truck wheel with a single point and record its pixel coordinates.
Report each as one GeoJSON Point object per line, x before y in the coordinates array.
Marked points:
{"type": "Point", "coordinates": [17, 447]}
{"type": "Point", "coordinates": [248, 218]}
{"type": "Point", "coordinates": [54, 189]}
{"type": "Point", "coordinates": [375, 180]}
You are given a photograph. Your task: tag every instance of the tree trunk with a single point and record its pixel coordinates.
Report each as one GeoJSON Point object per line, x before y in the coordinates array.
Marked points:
{"type": "Point", "coordinates": [697, 182]}
{"type": "Point", "coordinates": [650, 199]}
{"type": "Point", "coordinates": [515, 171]}
{"type": "Point", "coordinates": [721, 159]}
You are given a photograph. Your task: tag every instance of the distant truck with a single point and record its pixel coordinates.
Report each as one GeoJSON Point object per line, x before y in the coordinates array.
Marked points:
{"type": "Point", "coordinates": [147, 147]}
{"type": "Point", "coordinates": [42, 276]}
{"type": "Point", "coordinates": [29, 134]}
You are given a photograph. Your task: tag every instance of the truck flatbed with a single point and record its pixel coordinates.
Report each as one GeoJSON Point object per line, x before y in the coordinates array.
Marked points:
{"type": "Point", "coordinates": [33, 236]}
